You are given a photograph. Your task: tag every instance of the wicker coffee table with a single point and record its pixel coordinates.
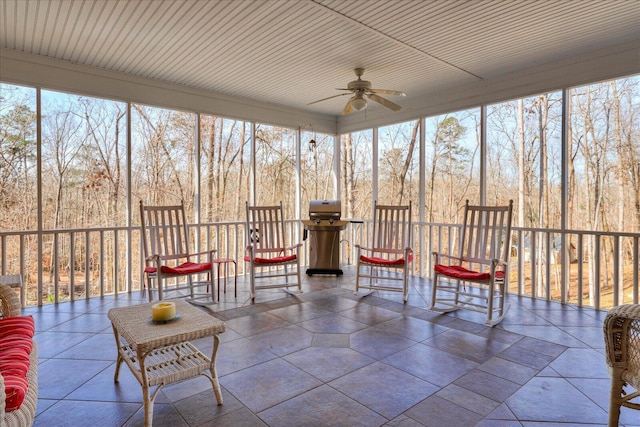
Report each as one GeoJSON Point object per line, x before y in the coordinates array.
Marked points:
{"type": "Point", "coordinates": [160, 353]}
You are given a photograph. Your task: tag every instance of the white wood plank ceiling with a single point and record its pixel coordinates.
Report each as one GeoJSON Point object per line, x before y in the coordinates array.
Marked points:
{"type": "Point", "coordinates": [291, 53]}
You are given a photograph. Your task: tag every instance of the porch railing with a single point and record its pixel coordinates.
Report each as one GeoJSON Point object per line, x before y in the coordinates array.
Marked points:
{"type": "Point", "coordinates": [585, 268]}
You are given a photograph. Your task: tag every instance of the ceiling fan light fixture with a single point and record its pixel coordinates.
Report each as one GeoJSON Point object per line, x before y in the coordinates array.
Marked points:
{"type": "Point", "coordinates": [358, 103]}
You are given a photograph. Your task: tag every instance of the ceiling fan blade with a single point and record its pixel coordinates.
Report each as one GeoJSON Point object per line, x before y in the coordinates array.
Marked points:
{"type": "Point", "coordinates": [324, 99]}
{"type": "Point", "coordinates": [348, 109]}
{"type": "Point", "coordinates": [388, 92]}
{"type": "Point", "coordinates": [380, 100]}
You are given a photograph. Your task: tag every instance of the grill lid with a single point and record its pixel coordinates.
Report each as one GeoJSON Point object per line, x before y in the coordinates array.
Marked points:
{"type": "Point", "coordinates": [324, 215]}
{"type": "Point", "coordinates": [325, 209]}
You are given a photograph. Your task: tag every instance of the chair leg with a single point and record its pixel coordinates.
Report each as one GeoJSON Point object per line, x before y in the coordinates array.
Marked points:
{"type": "Point", "coordinates": [252, 282]}
{"type": "Point", "coordinates": [235, 279]}
{"type": "Point", "coordinates": [456, 299]}
{"type": "Point", "coordinates": [434, 288]}
{"type": "Point", "coordinates": [405, 284]}
{"type": "Point", "coordinates": [146, 287]}
{"type": "Point", "coordinates": [218, 281]}
{"type": "Point", "coordinates": [491, 294]}
{"type": "Point", "coordinates": [357, 276]}
{"type": "Point", "coordinates": [615, 398]}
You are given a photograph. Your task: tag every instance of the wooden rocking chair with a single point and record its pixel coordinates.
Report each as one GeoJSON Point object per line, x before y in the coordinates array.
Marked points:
{"type": "Point", "coordinates": [476, 278]}
{"type": "Point", "coordinates": [167, 252]}
{"type": "Point", "coordinates": [267, 253]}
{"type": "Point", "coordinates": [387, 261]}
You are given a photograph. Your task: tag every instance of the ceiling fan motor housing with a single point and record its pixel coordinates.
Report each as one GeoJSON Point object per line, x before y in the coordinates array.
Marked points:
{"type": "Point", "coordinates": [359, 85]}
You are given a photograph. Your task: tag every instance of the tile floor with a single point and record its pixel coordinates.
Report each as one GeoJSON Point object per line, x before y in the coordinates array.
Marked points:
{"type": "Point", "coordinates": [330, 358]}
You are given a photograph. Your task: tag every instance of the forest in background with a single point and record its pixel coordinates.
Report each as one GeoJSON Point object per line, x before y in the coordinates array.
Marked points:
{"type": "Point", "coordinates": [90, 168]}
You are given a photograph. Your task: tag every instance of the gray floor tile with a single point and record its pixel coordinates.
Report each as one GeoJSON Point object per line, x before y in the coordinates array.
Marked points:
{"type": "Point", "coordinates": [431, 364]}
{"type": "Point", "coordinates": [256, 323]}
{"type": "Point", "coordinates": [240, 354]}
{"type": "Point", "coordinates": [369, 314]}
{"type": "Point", "coordinates": [556, 400]}
{"type": "Point", "coordinates": [573, 361]}
{"type": "Point", "coordinates": [322, 406]}
{"type": "Point", "coordinates": [412, 328]}
{"type": "Point", "coordinates": [468, 399]}
{"type": "Point", "coordinates": [384, 389]}
{"type": "Point", "coordinates": [285, 340]}
{"type": "Point", "coordinates": [268, 384]}
{"type": "Point", "coordinates": [333, 324]}
{"type": "Point", "coordinates": [73, 413]}
{"type": "Point", "coordinates": [328, 363]}
{"type": "Point", "coordinates": [437, 412]}
{"type": "Point", "coordinates": [508, 370]}
{"type": "Point", "coordinates": [59, 377]}
{"type": "Point", "coordinates": [467, 345]}
{"type": "Point", "coordinates": [238, 418]}
{"type": "Point", "coordinates": [377, 343]}
{"type": "Point", "coordinates": [487, 385]}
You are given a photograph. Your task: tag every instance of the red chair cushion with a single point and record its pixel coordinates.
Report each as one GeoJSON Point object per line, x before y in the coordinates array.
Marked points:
{"type": "Point", "coordinates": [15, 386]}
{"type": "Point", "coordinates": [16, 341]}
{"type": "Point", "coordinates": [19, 341]}
{"type": "Point", "coordinates": [460, 272]}
{"type": "Point", "coordinates": [14, 366]}
{"type": "Point", "coordinates": [17, 325]}
{"type": "Point", "coordinates": [184, 268]}
{"type": "Point", "coordinates": [382, 261]}
{"type": "Point", "coordinates": [274, 260]}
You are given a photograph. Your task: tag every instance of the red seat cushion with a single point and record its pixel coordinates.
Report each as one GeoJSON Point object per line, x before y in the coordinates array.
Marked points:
{"type": "Point", "coordinates": [184, 268]}
{"type": "Point", "coordinates": [382, 261]}
{"type": "Point", "coordinates": [274, 260]}
{"type": "Point", "coordinates": [460, 272]}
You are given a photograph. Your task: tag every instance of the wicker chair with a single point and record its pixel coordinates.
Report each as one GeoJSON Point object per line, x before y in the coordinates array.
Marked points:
{"type": "Point", "coordinates": [622, 340]}
{"type": "Point", "coordinates": [22, 417]}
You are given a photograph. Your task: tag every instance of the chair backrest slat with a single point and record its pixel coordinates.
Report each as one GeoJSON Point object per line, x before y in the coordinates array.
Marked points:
{"type": "Point", "coordinates": [486, 232]}
{"type": "Point", "coordinates": [265, 227]}
{"type": "Point", "coordinates": [391, 227]}
{"type": "Point", "coordinates": [164, 230]}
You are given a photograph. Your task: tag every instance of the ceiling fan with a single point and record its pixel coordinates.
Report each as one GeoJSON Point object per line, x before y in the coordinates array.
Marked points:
{"type": "Point", "coordinates": [361, 88]}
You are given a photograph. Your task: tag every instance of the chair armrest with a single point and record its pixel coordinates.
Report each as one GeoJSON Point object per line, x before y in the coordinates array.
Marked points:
{"type": "Point", "coordinates": [157, 257]}
{"type": "Point", "coordinates": [438, 255]}
{"type": "Point", "coordinates": [274, 250]}
{"type": "Point", "coordinates": [9, 302]}
{"type": "Point", "coordinates": [207, 252]}
{"type": "Point", "coordinates": [403, 251]}
{"type": "Point", "coordinates": [360, 248]}
{"type": "Point", "coordinates": [292, 247]}
{"type": "Point", "coordinates": [617, 330]}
